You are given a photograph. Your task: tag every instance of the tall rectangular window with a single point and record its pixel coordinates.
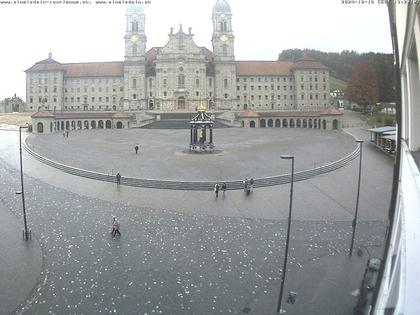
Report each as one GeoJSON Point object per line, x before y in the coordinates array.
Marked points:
{"type": "Point", "coordinates": [134, 83]}
{"type": "Point", "coordinates": [181, 81]}
{"type": "Point", "coordinates": [225, 83]}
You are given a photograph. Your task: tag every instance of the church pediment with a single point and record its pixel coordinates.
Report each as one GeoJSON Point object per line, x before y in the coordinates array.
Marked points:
{"type": "Point", "coordinates": [181, 44]}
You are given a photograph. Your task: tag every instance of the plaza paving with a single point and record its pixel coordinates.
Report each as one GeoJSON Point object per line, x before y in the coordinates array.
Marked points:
{"type": "Point", "coordinates": [163, 153]}
{"type": "Point", "coordinates": [188, 252]}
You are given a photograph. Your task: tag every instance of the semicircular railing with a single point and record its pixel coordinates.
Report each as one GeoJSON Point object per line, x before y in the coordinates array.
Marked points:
{"type": "Point", "coordinates": [197, 185]}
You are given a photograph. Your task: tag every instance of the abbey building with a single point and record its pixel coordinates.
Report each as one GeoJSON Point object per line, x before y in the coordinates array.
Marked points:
{"type": "Point", "coordinates": [178, 77]}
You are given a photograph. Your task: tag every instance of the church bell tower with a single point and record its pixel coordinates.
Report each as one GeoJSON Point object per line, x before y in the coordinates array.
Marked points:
{"type": "Point", "coordinates": [134, 60]}
{"type": "Point", "coordinates": [135, 36]}
{"type": "Point", "coordinates": [222, 39]}
{"type": "Point", "coordinates": [224, 57]}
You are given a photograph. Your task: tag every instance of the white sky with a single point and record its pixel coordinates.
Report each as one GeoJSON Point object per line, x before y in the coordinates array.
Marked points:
{"type": "Point", "coordinates": [262, 29]}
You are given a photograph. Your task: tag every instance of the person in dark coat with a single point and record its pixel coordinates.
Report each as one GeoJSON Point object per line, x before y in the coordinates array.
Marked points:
{"type": "Point", "coordinates": [114, 219]}
{"type": "Point", "coordinates": [118, 177]}
{"type": "Point", "coordinates": [223, 188]}
{"type": "Point", "coordinates": [136, 148]}
{"type": "Point", "coordinates": [245, 184]}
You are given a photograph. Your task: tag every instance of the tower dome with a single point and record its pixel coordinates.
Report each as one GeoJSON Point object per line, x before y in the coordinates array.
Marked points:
{"type": "Point", "coordinates": [221, 6]}
{"type": "Point", "coordinates": [135, 8]}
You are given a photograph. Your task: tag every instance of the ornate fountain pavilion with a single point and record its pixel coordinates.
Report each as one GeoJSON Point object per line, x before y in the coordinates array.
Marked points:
{"type": "Point", "coordinates": [201, 125]}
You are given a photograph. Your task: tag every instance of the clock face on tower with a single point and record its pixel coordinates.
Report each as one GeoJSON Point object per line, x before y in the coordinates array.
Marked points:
{"type": "Point", "coordinates": [134, 38]}
{"type": "Point", "coordinates": [223, 38]}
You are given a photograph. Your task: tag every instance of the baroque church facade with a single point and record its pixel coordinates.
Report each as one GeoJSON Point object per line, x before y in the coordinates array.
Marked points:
{"type": "Point", "coordinates": [178, 77]}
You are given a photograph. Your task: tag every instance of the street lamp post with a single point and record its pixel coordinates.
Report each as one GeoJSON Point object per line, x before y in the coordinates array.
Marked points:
{"type": "Point", "coordinates": [283, 278]}
{"type": "Point", "coordinates": [353, 225]}
{"type": "Point", "coordinates": [22, 192]}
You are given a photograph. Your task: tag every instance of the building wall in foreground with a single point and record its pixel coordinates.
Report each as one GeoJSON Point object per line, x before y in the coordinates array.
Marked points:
{"type": "Point", "coordinates": [399, 288]}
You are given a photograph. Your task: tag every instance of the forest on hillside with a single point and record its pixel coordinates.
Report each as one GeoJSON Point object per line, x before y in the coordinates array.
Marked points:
{"type": "Point", "coordinates": [342, 66]}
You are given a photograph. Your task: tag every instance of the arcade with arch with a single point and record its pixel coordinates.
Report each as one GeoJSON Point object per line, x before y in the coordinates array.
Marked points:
{"type": "Point", "coordinates": [330, 119]}
{"type": "Point", "coordinates": [47, 122]}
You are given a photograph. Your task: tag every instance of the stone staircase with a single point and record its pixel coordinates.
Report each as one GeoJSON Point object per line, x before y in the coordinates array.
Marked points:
{"type": "Point", "coordinates": [177, 121]}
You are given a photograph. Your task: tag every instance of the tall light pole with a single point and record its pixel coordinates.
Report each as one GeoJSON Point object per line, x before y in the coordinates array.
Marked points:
{"type": "Point", "coordinates": [26, 235]}
{"type": "Point", "coordinates": [353, 225]}
{"type": "Point", "coordinates": [286, 251]}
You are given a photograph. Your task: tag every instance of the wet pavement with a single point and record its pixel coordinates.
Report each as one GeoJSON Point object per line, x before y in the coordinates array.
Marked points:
{"type": "Point", "coordinates": [164, 153]}
{"type": "Point", "coordinates": [190, 253]}
{"type": "Point", "coordinates": [20, 261]}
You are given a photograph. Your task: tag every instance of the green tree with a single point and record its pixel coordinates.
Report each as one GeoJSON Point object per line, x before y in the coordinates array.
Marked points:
{"type": "Point", "coordinates": [342, 64]}
{"type": "Point", "coordinates": [362, 86]}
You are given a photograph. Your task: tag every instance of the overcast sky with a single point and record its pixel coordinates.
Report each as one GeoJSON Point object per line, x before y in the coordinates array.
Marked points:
{"type": "Point", "coordinates": [262, 29]}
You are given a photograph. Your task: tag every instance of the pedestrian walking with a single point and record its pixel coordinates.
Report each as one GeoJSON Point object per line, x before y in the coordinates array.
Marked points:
{"type": "Point", "coordinates": [136, 148]}
{"type": "Point", "coordinates": [115, 228]}
{"type": "Point", "coordinates": [118, 177]}
{"type": "Point", "coordinates": [216, 189]}
{"type": "Point", "coordinates": [114, 219]}
{"type": "Point", "coordinates": [223, 188]}
{"type": "Point", "coordinates": [67, 133]}
{"type": "Point", "coordinates": [245, 184]}
{"type": "Point", "coordinates": [64, 134]}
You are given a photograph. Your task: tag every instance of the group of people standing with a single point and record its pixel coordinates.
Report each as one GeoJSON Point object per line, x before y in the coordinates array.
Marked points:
{"type": "Point", "coordinates": [248, 185]}
{"type": "Point", "coordinates": [218, 187]}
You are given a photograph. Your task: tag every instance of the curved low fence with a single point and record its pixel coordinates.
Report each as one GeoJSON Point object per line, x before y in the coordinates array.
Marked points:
{"type": "Point", "coordinates": [197, 185]}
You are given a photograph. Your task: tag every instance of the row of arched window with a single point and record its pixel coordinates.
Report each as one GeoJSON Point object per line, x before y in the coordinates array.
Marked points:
{"type": "Point", "coordinates": [313, 123]}
{"type": "Point", "coordinates": [78, 125]}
